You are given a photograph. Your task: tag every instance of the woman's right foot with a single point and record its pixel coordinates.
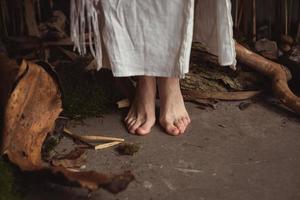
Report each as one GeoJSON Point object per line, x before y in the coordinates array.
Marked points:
{"type": "Point", "coordinates": [141, 116]}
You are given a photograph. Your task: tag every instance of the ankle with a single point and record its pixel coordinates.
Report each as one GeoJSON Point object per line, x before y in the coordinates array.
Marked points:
{"type": "Point", "coordinates": [168, 87]}
{"type": "Point", "coordinates": [168, 81]}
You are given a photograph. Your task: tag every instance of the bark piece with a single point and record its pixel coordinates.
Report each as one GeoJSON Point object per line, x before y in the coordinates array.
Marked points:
{"type": "Point", "coordinates": [190, 95]}
{"type": "Point", "coordinates": [32, 102]}
{"type": "Point", "coordinates": [30, 114]}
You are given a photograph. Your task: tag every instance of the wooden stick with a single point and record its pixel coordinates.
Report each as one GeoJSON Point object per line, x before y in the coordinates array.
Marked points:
{"type": "Point", "coordinates": [285, 17]}
{"type": "Point", "coordinates": [107, 145]}
{"type": "Point", "coordinates": [88, 138]}
{"type": "Point", "coordinates": [236, 13]}
{"type": "Point", "coordinates": [76, 137]}
{"type": "Point", "coordinates": [101, 139]}
{"type": "Point", "coordinates": [298, 33]}
{"type": "Point", "coordinates": [254, 19]}
{"type": "Point", "coordinates": [30, 18]}
{"type": "Point", "coordinates": [290, 14]}
{"type": "Point", "coordinates": [125, 103]}
{"type": "Point", "coordinates": [228, 96]}
{"type": "Point", "coordinates": [240, 15]}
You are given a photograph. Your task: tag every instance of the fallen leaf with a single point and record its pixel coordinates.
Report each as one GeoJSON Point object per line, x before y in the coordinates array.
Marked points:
{"type": "Point", "coordinates": [74, 159]}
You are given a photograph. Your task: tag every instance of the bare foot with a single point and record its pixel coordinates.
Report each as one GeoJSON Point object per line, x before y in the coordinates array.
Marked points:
{"type": "Point", "coordinates": [141, 116]}
{"type": "Point", "coordinates": [173, 115]}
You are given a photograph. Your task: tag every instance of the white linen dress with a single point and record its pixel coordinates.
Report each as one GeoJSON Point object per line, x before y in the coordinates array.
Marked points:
{"type": "Point", "coordinates": [153, 37]}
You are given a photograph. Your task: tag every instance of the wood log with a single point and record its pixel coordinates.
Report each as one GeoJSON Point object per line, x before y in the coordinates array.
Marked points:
{"type": "Point", "coordinates": [30, 18]}
{"type": "Point", "coordinates": [274, 71]}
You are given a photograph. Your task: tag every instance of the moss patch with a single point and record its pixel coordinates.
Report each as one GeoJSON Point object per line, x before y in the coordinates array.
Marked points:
{"type": "Point", "coordinates": [86, 94]}
{"type": "Point", "coordinates": [11, 182]}
{"type": "Point", "coordinates": [128, 149]}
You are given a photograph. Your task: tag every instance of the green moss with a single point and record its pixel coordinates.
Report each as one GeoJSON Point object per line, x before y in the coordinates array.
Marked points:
{"type": "Point", "coordinates": [10, 182]}
{"type": "Point", "coordinates": [128, 149]}
{"type": "Point", "coordinates": [48, 148]}
{"type": "Point", "coordinates": [86, 94]}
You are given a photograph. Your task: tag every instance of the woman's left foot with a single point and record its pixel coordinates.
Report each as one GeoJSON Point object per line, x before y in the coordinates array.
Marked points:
{"type": "Point", "coordinates": [173, 115]}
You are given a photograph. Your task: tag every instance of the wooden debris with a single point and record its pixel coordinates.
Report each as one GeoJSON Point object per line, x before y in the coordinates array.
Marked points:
{"type": "Point", "coordinates": [89, 138]}
{"type": "Point", "coordinates": [30, 17]}
{"type": "Point", "coordinates": [54, 28]}
{"type": "Point", "coordinates": [125, 103]}
{"type": "Point", "coordinates": [298, 34]}
{"type": "Point", "coordinates": [30, 114]}
{"type": "Point", "coordinates": [106, 145]}
{"type": "Point", "coordinates": [101, 139]}
{"type": "Point", "coordinates": [70, 54]}
{"type": "Point", "coordinates": [229, 96]}
{"type": "Point", "coordinates": [32, 105]}
{"type": "Point", "coordinates": [78, 138]}
{"type": "Point", "coordinates": [275, 72]}
{"type": "Point", "coordinates": [73, 160]}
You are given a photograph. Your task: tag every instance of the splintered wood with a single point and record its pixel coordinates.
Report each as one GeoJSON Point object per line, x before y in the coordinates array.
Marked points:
{"type": "Point", "coordinates": [112, 141]}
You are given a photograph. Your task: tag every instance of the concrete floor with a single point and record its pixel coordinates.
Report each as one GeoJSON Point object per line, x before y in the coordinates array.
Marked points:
{"type": "Point", "coordinates": [227, 154]}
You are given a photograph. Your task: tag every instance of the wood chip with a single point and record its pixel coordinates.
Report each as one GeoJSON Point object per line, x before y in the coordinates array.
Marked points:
{"type": "Point", "coordinates": [107, 145]}
{"type": "Point", "coordinates": [125, 103]}
{"type": "Point", "coordinates": [91, 138]}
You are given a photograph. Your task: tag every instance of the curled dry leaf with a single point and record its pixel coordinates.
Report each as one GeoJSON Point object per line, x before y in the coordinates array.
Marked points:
{"type": "Point", "coordinates": [32, 101]}
{"type": "Point", "coordinates": [74, 159]}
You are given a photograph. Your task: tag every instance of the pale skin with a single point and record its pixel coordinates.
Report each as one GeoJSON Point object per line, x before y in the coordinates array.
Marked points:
{"type": "Point", "coordinates": [173, 118]}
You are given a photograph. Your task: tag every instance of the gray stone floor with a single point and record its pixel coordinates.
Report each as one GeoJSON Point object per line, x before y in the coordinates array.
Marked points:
{"type": "Point", "coordinates": [227, 154]}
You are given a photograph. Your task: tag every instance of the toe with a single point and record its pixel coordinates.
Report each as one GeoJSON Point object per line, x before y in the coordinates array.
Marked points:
{"type": "Point", "coordinates": [130, 125]}
{"type": "Point", "coordinates": [130, 122]}
{"type": "Point", "coordinates": [169, 127]}
{"type": "Point", "coordinates": [135, 126]}
{"type": "Point", "coordinates": [145, 128]}
{"type": "Point", "coordinates": [172, 130]}
{"type": "Point", "coordinates": [188, 120]}
{"type": "Point", "coordinates": [180, 124]}
{"type": "Point", "coordinates": [126, 119]}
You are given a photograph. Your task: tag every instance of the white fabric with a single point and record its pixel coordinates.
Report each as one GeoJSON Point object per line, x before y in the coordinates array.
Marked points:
{"type": "Point", "coordinates": [154, 37]}
{"type": "Point", "coordinates": [213, 27]}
